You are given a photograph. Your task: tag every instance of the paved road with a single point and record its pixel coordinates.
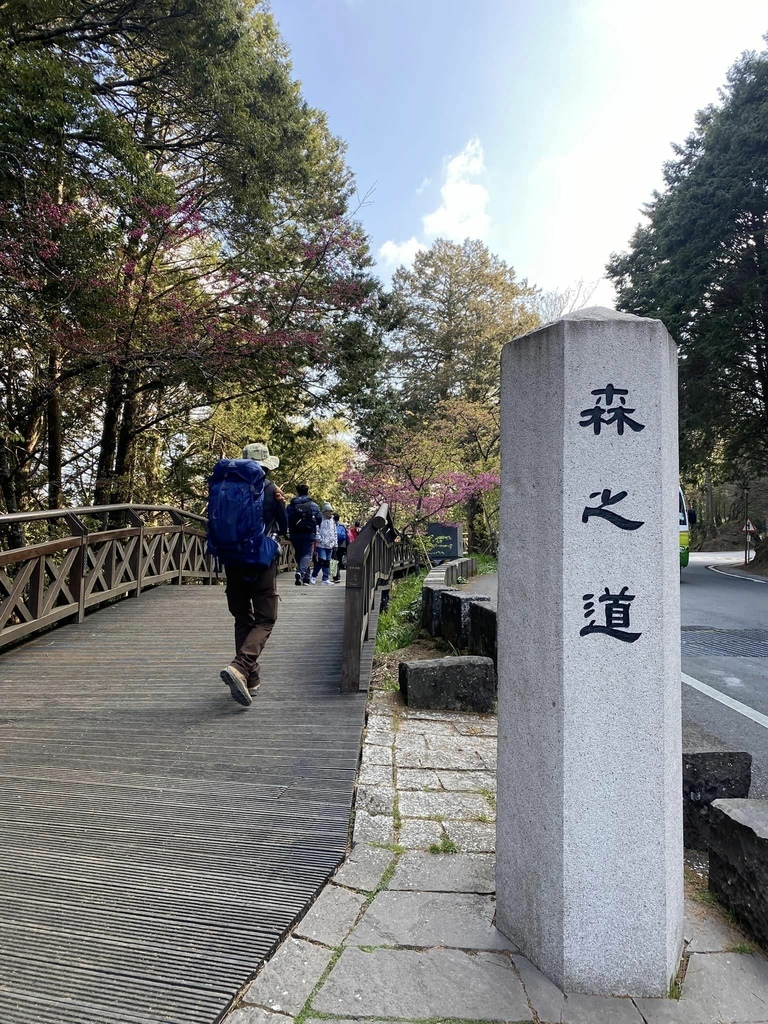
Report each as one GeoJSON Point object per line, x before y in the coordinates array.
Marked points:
{"type": "Point", "coordinates": [725, 646]}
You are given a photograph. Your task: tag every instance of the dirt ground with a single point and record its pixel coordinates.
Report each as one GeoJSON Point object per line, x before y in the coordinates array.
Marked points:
{"type": "Point", "coordinates": [385, 666]}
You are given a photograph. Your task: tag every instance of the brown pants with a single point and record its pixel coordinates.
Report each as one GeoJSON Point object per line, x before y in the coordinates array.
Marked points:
{"type": "Point", "coordinates": [253, 603]}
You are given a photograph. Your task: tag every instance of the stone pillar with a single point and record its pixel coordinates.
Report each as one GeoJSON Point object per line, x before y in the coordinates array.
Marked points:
{"type": "Point", "coordinates": [589, 833]}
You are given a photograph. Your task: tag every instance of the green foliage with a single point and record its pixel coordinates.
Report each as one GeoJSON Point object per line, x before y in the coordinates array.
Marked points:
{"type": "Point", "coordinates": [487, 565]}
{"type": "Point", "coordinates": [700, 264]}
{"type": "Point", "coordinates": [446, 845]}
{"type": "Point", "coordinates": [399, 624]}
{"type": "Point", "coordinates": [175, 234]}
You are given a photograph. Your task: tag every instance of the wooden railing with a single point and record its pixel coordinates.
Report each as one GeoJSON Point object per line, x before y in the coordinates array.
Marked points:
{"type": "Point", "coordinates": [98, 554]}
{"type": "Point", "coordinates": [376, 556]}
{"type": "Point", "coordinates": [105, 552]}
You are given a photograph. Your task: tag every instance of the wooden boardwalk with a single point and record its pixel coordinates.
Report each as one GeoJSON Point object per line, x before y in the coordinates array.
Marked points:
{"type": "Point", "coordinates": [157, 839]}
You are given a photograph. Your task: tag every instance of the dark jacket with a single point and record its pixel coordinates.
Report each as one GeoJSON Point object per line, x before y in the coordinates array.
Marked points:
{"type": "Point", "coordinates": [293, 505]}
{"type": "Point", "coordinates": [275, 518]}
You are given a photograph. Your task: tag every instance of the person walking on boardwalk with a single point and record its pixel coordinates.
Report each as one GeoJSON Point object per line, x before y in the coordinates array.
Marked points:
{"type": "Point", "coordinates": [326, 542]}
{"type": "Point", "coordinates": [246, 511]}
{"type": "Point", "coordinates": [304, 517]}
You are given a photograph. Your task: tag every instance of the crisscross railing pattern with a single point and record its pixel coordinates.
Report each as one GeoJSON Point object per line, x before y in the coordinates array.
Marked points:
{"type": "Point", "coordinates": [131, 547]}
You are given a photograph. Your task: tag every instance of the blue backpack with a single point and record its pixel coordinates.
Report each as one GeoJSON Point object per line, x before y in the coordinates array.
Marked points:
{"type": "Point", "coordinates": [236, 533]}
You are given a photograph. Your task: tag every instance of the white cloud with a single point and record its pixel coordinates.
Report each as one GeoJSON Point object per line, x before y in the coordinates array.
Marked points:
{"type": "Point", "coordinates": [462, 213]}
{"type": "Point", "coordinates": [399, 253]}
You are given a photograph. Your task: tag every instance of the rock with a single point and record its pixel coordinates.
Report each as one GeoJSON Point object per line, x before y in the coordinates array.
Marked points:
{"type": "Point", "coordinates": [449, 684]}
{"type": "Point", "coordinates": [710, 775]}
{"type": "Point", "coordinates": [454, 615]}
{"type": "Point", "coordinates": [431, 606]}
{"type": "Point", "coordinates": [738, 861]}
{"type": "Point", "coordinates": [482, 630]}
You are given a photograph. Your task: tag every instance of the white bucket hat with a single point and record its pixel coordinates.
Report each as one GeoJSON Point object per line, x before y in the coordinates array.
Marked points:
{"type": "Point", "coordinates": [260, 453]}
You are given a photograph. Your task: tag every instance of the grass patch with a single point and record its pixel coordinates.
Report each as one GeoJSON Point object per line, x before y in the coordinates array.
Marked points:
{"type": "Point", "coordinates": [490, 796]}
{"type": "Point", "coordinates": [745, 948]}
{"type": "Point", "coordinates": [446, 845]}
{"type": "Point", "coordinates": [399, 624]}
{"type": "Point", "coordinates": [483, 819]}
{"type": "Point", "coordinates": [486, 564]}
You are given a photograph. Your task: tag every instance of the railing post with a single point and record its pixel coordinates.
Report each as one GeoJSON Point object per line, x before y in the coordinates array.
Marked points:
{"type": "Point", "coordinates": [77, 572]}
{"type": "Point", "coordinates": [178, 520]}
{"type": "Point", "coordinates": [353, 626]}
{"type": "Point", "coordinates": [137, 558]}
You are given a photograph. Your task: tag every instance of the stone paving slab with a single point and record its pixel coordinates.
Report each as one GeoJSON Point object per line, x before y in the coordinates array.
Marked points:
{"type": "Point", "coordinates": [457, 872]}
{"type": "Point", "coordinates": [376, 799]}
{"type": "Point", "coordinates": [373, 828]}
{"type": "Point", "coordinates": [419, 834]}
{"type": "Point", "coordinates": [377, 755]}
{"type": "Point", "coordinates": [471, 781]}
{"type": "Point", "coordinates": [450, 759]}
{"type": "Point", "coordinates": [445, 805]}
{"type": "Point", "coordinates": [457, 919]}
{"type": "Point", "coordinates": [599, 1010]}
{"type": "Point", "coordinates": [331, 917]}
{"type": "Point", "coordinates": [545, 998]}
{"type": "Point", "coordinates": [375, 774]}
{"type": "Point", "coordinates": [719, 988]}
{"type": "Point", "coordinates": [364, 868]}
{"type": "Point", "coordinates": [471, 837]}
{"type": "Point", "coordinates": [289, 977]}
{"type": "Point", "coordinates": [255, 1015]}
{"type": "Point", "coordinates": [403, 983]}
{"type": "Point", "coordinates": [707, 934]}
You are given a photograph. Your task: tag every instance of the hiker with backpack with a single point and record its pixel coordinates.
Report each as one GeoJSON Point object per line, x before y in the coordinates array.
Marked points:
{"type": "Point", "coordinates": [303, 520]}
{"type": "Point", "coordinates": [246, 514]}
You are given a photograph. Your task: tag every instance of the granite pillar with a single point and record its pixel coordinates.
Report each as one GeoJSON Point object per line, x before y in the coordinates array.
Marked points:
{"type": "Point", "coordinates": [589, 828]}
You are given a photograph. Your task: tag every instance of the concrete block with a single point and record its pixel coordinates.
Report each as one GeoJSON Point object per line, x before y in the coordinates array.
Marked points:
{"type": "Point", "coordinates": [431, 606]}
{"type": "Point", "coordinates": [449, 684]}
{"type": "Point", "coordinates": [710, 775]}
{"type": "Point", "coordinates": [482, 630]}
{"type": "Point", "coordinates": [738, 861]}
{"type": "Point", "coordinates": [589, 821]}
{"type": "Point", "coordinates": [455, 616]}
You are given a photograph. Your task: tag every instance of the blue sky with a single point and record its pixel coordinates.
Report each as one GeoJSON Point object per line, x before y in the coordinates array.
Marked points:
{"type": "Point", "coordinates": [539, 127]}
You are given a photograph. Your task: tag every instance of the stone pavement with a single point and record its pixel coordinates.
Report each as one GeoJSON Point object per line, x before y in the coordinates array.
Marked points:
{"type": "Point", "coordinates": [404, 930]}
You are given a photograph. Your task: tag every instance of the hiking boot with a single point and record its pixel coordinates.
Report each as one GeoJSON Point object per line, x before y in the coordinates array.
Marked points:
{"type": "Point", "coordinates": [306, 583]}
{"type": "Point", "coordinates": [253, 685]}
{"type": "Point", "coordinates": [297, 579]}
{"type": "Point", "coordinates": [238, 685]}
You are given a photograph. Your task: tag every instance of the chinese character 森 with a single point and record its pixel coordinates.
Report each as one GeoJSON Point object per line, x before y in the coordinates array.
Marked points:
{"type": "Point", "coordinates": [605, 415]}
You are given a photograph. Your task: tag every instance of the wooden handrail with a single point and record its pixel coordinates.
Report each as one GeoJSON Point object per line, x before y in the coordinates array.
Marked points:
{"type": "Point", "coordinates": [371, 561]}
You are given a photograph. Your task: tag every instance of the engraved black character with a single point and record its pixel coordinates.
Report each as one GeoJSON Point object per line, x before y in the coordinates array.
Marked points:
{"type": "Point", "coordinates": [616, 611]}
{"type": "Point", "coordinates": [606, 498]}
{"type": "Point", "coordinates": [599, 415]}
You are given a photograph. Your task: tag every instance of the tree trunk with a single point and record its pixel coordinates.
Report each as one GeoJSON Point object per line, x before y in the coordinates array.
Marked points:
{"type": "Point", "coordinates": [112, 410]}
{"type": "Point", "coordinates": [55, 497]}
{"type": "Point", "coordinates": [123, 482]}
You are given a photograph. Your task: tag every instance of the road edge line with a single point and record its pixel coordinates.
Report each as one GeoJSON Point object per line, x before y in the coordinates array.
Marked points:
{"type": "Point", "coordinates": [735, 576]}
{"type": "Point", "coordinates": [729, 702]}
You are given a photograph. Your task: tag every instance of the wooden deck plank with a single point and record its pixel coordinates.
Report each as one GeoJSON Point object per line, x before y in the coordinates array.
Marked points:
{"type": "Point", "coordinates": [157, 839]}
